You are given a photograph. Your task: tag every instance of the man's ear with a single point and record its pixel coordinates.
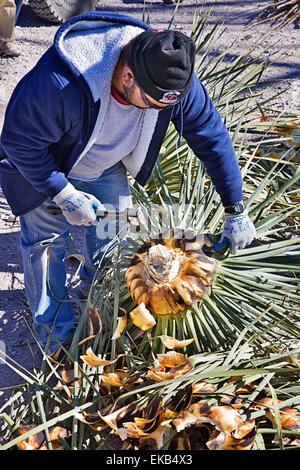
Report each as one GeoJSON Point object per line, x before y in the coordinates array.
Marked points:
{"type": "Point", "coordinates": [127, 76]}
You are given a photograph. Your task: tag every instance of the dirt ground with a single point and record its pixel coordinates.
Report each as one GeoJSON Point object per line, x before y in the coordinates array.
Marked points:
{"type": "Point", "coordinates": [33, 37]}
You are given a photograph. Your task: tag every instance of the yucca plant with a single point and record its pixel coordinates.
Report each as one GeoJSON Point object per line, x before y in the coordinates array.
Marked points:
{"type": "Point", "coordinates": [250, 393]}
{"type": "Point", "coordinates": [260, 280]}
{"type": "Point", "coordinates": [253, 301]}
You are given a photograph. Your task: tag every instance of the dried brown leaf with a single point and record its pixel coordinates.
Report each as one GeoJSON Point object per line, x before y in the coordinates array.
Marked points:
{"type": "Point", "coordinates": [173, 343]}
{"type": "Point", "coordinates": [30, 443]}
{"type": "Point", "coordinates": [122, 322]}
{"type": "Point", "coordinates": [92, 360]}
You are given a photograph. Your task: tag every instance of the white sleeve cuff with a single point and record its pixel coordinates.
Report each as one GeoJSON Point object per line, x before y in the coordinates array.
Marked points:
{"type": "Point", "coordinates": [64, 193]}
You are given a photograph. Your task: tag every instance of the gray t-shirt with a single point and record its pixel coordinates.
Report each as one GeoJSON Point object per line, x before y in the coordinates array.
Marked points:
{"type": "Point", "coordinates": [117, 138]}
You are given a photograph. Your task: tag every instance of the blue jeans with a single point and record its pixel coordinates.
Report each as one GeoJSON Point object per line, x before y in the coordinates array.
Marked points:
{"type": "Point", "coordinates": [18, 8]}
{"type": "Point", "coordinates": [43, 243]}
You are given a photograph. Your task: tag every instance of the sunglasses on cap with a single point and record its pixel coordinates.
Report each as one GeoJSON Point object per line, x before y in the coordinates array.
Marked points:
{"type": "Point", "coordinates": [152, 105]}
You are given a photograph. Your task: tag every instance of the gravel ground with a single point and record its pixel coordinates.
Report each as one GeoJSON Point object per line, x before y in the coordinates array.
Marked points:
{"type": "Point", "coordinates": [33, 37]}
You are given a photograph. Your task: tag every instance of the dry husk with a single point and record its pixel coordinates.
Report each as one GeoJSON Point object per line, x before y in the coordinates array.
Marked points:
{"type": "Point", "coordinates": [36, 441]}
{"type": "Point", "coordinates": [173, 343]}
{"type": "Point", "coordinates": [142, 318]}
{"type": "Point", "coordinates": [122, 322]}
{"type": "Point", "coordinates": [169, 366]}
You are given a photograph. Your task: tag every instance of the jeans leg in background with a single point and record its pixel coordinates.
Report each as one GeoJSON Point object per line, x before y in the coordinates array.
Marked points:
{"type": "Point", "coordinates": [18, 8]}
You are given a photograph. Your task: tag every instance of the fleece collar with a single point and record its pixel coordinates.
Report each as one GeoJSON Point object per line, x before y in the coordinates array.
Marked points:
{"type": "Point", "coordinates": [94, 49]}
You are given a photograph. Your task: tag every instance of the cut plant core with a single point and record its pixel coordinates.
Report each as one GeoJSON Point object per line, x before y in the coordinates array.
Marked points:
{"type": "Point", "coordinates": [171, 271]}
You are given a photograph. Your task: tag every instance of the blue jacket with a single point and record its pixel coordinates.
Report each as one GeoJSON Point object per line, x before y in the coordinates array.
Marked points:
{"type": "Point", "coordinates": [53, 113]}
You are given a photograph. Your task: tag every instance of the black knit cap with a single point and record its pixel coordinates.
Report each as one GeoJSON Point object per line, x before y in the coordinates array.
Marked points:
{"type": "Point", "coordinates": [163, 64]}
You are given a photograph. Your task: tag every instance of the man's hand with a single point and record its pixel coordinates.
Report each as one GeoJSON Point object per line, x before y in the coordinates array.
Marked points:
{"type": "Point", "coordinates": [79, 208]}
{"type": "Point", "coordinates": [238, 231]}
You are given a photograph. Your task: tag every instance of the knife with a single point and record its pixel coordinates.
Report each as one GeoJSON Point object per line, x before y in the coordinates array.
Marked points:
{"type": "Point", "coordinates": [132, 215]}
{"type": "Point", "coordinates": [128, 213]}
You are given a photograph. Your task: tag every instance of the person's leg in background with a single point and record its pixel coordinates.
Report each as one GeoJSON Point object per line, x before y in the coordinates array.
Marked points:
{"type": "Point", "coordinates": [18, 8]}
{"type": "Point", "coordinates": [8, 16]}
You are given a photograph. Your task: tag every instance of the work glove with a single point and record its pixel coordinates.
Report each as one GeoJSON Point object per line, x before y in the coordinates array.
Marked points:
{"type": "Point", "coordinates": [79, 208]}
{"type": "Point", "coordinates": [238, 231]}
